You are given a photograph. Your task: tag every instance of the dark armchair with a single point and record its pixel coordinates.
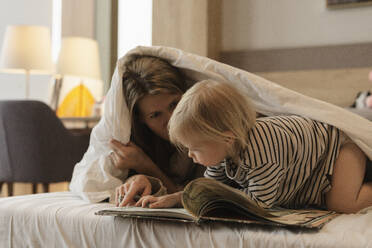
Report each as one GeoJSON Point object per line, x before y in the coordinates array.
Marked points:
{"type": "Point", "coordinates": [35, 147]}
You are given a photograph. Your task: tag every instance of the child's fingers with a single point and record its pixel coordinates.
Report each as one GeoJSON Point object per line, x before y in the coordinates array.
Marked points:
{"type": "Point", "coordinates": [147, 200]}
{"type": "Point", "coordinates": [139, 203]}
{"type": "Point", "coordinates": [160, 203]}
{"type": "Point", "coordinates": [166, 201]}
{"type": "Point", "coordinates": [156, 205]}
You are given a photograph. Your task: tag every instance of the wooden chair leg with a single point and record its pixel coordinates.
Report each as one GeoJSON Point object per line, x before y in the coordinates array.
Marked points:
{"type": "Point", "coordinates": [10, 189]}
{"type": "Point", "coordinates": [34, 188]}
{"type": "Point", "coordinates": [46, 187]}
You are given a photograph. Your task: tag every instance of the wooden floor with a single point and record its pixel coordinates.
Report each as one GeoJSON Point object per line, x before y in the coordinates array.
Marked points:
{"type": "Point", "coordinates": [26, 188]}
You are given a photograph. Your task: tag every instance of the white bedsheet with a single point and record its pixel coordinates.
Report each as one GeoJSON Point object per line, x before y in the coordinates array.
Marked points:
{"type": "Point", "coordinates": [64, 220]}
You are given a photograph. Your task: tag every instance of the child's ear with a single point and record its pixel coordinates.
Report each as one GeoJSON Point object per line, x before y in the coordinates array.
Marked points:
{"type": "Point", "coordinates": [229, 137]}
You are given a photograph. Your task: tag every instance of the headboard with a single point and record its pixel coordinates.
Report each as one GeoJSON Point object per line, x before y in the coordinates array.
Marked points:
{"type": "Point", "coordinates": [331, 73]}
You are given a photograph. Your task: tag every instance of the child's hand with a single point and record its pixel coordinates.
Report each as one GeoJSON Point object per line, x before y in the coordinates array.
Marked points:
{"type": "Point", "coordinates": [165, 201]}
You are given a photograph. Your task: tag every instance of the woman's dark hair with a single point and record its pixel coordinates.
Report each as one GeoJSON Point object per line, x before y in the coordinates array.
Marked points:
{"type": "Point", "coordinates": [147, 75]}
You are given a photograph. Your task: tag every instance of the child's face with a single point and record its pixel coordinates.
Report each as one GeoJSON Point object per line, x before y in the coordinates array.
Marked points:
{"type": "Point", "coordinates": [205, 152]}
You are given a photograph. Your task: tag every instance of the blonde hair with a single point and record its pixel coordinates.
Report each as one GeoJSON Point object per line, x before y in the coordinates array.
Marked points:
{"type": "Point", "coordinates": [209, 109]}
{"type": "Point", "coordinates": [148, 75]}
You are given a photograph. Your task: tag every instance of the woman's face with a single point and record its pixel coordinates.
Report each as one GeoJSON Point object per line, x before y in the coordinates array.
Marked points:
{"type": "Point", "coordinates": [156, 110]}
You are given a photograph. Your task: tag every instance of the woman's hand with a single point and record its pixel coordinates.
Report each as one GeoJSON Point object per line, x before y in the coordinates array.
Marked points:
{"type": "Point", "coordinates": [136, 186]}
{"type": "Point", "coordinates": [165, 201]}
{"type": "Point", "coordinates": [129, 156]}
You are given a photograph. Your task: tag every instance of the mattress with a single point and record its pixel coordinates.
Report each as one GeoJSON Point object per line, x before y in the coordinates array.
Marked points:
{"type": "Point", "coordinates": [62, 219]}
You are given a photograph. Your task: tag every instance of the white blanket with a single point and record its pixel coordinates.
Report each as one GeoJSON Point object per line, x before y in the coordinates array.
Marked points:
{"type": "Point", "coordinates": [63, 219]}
{"type": "Point", "coordinates": [95, 178]}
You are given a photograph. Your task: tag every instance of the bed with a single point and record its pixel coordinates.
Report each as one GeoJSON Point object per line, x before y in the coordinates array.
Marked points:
{"type": "Point", "coordinates": [63, 219]}
{"type": "Point", "coordinates": [67, 219]}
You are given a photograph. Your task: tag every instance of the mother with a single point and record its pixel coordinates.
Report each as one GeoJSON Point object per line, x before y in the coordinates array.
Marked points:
{"type": "Point", "coordinates": [151, 88]}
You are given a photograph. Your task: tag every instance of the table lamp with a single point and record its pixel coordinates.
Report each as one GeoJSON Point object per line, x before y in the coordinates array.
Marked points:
{"type": "Point", "coordinates": [26, 49]}
{"type": "Point", "coordinates": [78, 57]}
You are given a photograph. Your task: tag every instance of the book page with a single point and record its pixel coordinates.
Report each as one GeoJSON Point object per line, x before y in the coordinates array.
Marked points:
{"type": "Point", "coordinates": [209, 199]}
{"type": "Point", "coordinates": [204, 194]}
{"type": "Point", "coordinates": [303, 217]}
{"type": "Point", "coordinates": [172, 213]}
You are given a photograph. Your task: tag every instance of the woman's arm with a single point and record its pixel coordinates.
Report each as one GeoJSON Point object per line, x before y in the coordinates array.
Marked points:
{"type": "Point", "coordinates": [151, 169]}
{"type": "Point", "coordinates": [130, 156]}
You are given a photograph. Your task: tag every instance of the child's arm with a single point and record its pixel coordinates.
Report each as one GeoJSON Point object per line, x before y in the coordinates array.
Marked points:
{"type": "Point", "coordinates": [165, 201]}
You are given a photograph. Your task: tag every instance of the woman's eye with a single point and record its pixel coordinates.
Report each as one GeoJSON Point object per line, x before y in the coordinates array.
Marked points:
{"type": "Point", "coordinates": [154, 115]}
{"type": "Point", "coordinates": [173, 104]}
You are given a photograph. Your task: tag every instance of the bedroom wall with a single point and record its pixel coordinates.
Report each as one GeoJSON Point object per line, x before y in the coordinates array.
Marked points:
{"type": "Point", "coordinates": [35, 12]}
{"type": "Point", "coordinates": [336, 86]}
{"type": "Point", "coordinates": [267, 24]}
{"type": "Point", "coordinates": [24, 12]}
{"type": "Point", "coordinates": [302, 45]}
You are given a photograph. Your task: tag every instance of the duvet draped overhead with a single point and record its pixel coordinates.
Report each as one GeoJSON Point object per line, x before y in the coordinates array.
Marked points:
{"type": "Point", "coordinates": [95, 178]}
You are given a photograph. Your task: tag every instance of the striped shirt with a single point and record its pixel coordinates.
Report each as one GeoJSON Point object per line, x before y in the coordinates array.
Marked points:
{"type": "Point", "coordinates": [287, 162]}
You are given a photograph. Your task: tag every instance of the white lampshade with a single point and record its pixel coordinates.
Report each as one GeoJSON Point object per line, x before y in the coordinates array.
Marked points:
{"type": "Point", "coordinates": [79, 57]}
{"type": "Point", "coordinates": [26, 48]}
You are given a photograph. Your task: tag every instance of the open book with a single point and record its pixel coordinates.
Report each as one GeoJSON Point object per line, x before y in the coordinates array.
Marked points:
{"type": "Point", "coordinates": [209, 200]}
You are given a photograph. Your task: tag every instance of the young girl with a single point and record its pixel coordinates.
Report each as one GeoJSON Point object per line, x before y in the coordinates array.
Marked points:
{"type": "Point", "coordinates": [286, 161]}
